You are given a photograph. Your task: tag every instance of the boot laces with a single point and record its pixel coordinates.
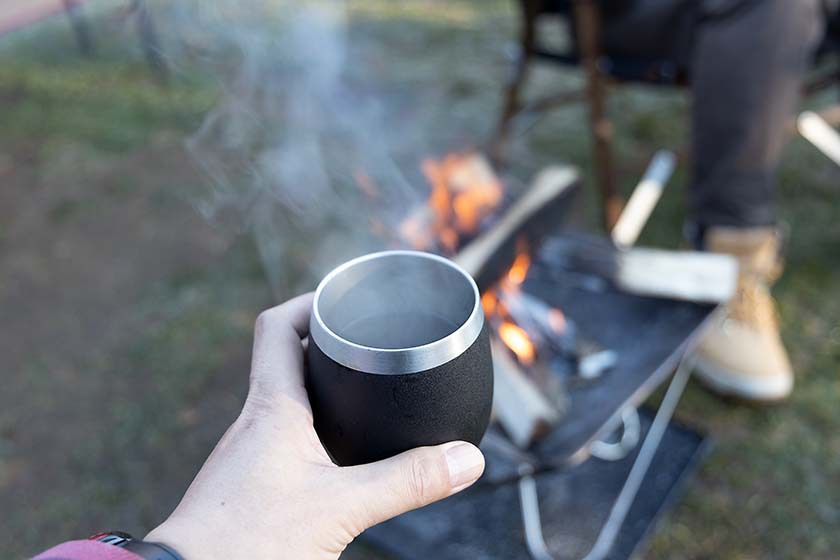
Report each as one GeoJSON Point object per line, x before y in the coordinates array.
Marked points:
{"type": "Point", "coordinates": [753, 305]}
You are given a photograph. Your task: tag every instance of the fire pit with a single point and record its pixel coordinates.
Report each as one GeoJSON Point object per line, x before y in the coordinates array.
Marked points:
{"type": "Point", "coordinates": [651, 336]}
{"type": "Point", "coordinates": [551, 411]}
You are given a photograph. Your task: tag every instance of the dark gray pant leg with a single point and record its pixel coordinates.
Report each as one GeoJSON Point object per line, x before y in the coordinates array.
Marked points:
{"type": "Point", "coordinates": [747, 70]}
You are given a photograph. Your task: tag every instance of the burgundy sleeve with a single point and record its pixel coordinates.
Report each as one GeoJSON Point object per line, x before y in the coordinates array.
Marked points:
{"type": "Point", "coordinates": [86, 550]}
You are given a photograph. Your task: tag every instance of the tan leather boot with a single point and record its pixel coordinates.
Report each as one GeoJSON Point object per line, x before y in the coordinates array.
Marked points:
{"type": "Point", "coordinates": [741, 353]}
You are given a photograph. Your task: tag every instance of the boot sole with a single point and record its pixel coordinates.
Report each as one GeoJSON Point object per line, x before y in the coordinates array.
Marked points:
{"type": "Point", "coordinates": [726, 384]}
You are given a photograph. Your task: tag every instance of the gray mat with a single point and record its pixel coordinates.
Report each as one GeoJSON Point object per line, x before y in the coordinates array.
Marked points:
{"type": "Point", "coordinates": [485, 521]}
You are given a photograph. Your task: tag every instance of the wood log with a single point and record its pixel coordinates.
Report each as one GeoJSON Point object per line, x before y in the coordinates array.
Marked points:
{"type": "Point", "coordinates": [535, 214]}
{"type": "Point", "coordinates": [522, 409]}
{"type": "Point", "coordinates": [684, 275]}
{"type": "Point", "coordinates": [519, 406]}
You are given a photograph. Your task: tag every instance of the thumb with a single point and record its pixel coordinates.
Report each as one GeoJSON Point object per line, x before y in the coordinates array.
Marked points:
{"type": "Point", "coordinates": [413, 479]}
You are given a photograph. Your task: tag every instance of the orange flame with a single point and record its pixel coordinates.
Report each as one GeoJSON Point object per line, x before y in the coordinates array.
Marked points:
{"type": "Point", "coordinates": [464, 191]}
{"type": "Point", "coordinates": [477, 190]}
{"type": "Point", "coordinates": [519, 269]}
{"type": "Point", "coordinates": [488, 303]}
{"type": "Point", "coordinates": [518, 341]}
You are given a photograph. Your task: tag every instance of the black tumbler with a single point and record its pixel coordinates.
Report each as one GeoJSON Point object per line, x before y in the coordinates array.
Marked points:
{"type": "Point", "coordinates": [398, 357]}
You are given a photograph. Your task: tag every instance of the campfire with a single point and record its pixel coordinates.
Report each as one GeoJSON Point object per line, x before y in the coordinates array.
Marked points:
{"type": "Point", "coordinates": [468, 218]}
{"type": "Point", "coordinates": [464, 194]}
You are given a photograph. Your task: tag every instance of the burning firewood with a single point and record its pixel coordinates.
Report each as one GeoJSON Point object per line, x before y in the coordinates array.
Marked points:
{"type": "Point", "coordinates": [526, 405]}
{"type": "Point", "coordinates": [464, 192]}
{"type": "Point", "coordinates": [521, 408]}
{"type": "Point", "coordinates": [465, 196]}
{"type": "Point", "coordinates": [534, 214]}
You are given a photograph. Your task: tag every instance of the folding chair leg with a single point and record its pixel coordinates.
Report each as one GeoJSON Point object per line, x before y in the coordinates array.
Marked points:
{"type": "Point", "coordinates": [499, 144]}
{"type": "Point", "coordinates": [511, 106]}
{"type": "Point", "coordinates": [587, 19]}
{"type": "Point", "coordinates": [80, 27]}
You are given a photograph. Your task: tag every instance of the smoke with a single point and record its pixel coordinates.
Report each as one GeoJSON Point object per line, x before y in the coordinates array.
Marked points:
{"type": "Point", "coordinates": [304, 116]}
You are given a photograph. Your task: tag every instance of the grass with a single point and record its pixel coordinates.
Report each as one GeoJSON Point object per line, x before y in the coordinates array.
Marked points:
{"type": "Point", "coordinates": [160, 385]}
{"type": "Point", "coordinates": [55, 104]}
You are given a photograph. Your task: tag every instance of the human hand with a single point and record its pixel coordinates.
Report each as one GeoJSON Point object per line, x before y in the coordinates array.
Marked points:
{"type": "Point", "coordinates": [269, 490]}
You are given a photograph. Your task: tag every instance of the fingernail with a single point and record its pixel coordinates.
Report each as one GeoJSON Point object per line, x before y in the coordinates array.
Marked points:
{"type": "Point", "coordinates": [465, 462]}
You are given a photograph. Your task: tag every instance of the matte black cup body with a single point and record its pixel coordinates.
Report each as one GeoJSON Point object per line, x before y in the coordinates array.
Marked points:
{"type": "Point", "coordinates": [399, 357]}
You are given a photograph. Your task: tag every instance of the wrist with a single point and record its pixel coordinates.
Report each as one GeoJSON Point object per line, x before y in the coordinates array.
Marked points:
{"type": "Point", "coordinates": [187, 542]}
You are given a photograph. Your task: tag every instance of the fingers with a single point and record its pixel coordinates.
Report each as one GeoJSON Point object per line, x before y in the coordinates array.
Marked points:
{"type": "Point", "coordinates": [413, 479]}
{"type": "Point", "coordinates": [294, 313]}
{"type": "Point", "coordinates": [277, 361]}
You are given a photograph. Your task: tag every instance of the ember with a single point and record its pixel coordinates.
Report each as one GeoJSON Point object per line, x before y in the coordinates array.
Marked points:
{"type": "Point", "coordinates": [518, 341]}
{"type": "Point", "coordinates": [514, 330]}
{"type": "Point", "coordinates": [519, 269]}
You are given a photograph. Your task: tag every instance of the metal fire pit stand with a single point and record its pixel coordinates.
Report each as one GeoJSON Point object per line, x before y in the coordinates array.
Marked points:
{"type": "Point", "coordinates": [553, 501]}
{"type": "Point", "coordinates": [529, 499]}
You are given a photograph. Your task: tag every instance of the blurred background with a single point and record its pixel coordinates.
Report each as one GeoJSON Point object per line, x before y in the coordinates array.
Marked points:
{"type": "Point", "coordinates": [168, 170]}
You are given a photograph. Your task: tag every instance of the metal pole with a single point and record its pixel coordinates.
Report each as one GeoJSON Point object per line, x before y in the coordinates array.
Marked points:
{"type": "Point", "coordinates": [625, 499]}
{"type": "Point", "coordinates": [531, 520]}
{"type": "Point", "coordinates": [819, 133]}
{"type": "Point", "coordinates": [641, 203]}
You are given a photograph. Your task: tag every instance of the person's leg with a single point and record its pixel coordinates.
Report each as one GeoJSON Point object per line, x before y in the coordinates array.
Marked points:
{"type": "Point", "coordinates": [747, 69]}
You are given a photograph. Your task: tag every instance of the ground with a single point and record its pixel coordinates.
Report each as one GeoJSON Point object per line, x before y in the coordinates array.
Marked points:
{"type": "Point", "coordinates": [126, 316]}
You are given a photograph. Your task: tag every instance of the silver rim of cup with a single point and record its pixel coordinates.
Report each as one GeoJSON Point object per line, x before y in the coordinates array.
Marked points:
{"type": "Point", "coordinates": [401, 360]}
